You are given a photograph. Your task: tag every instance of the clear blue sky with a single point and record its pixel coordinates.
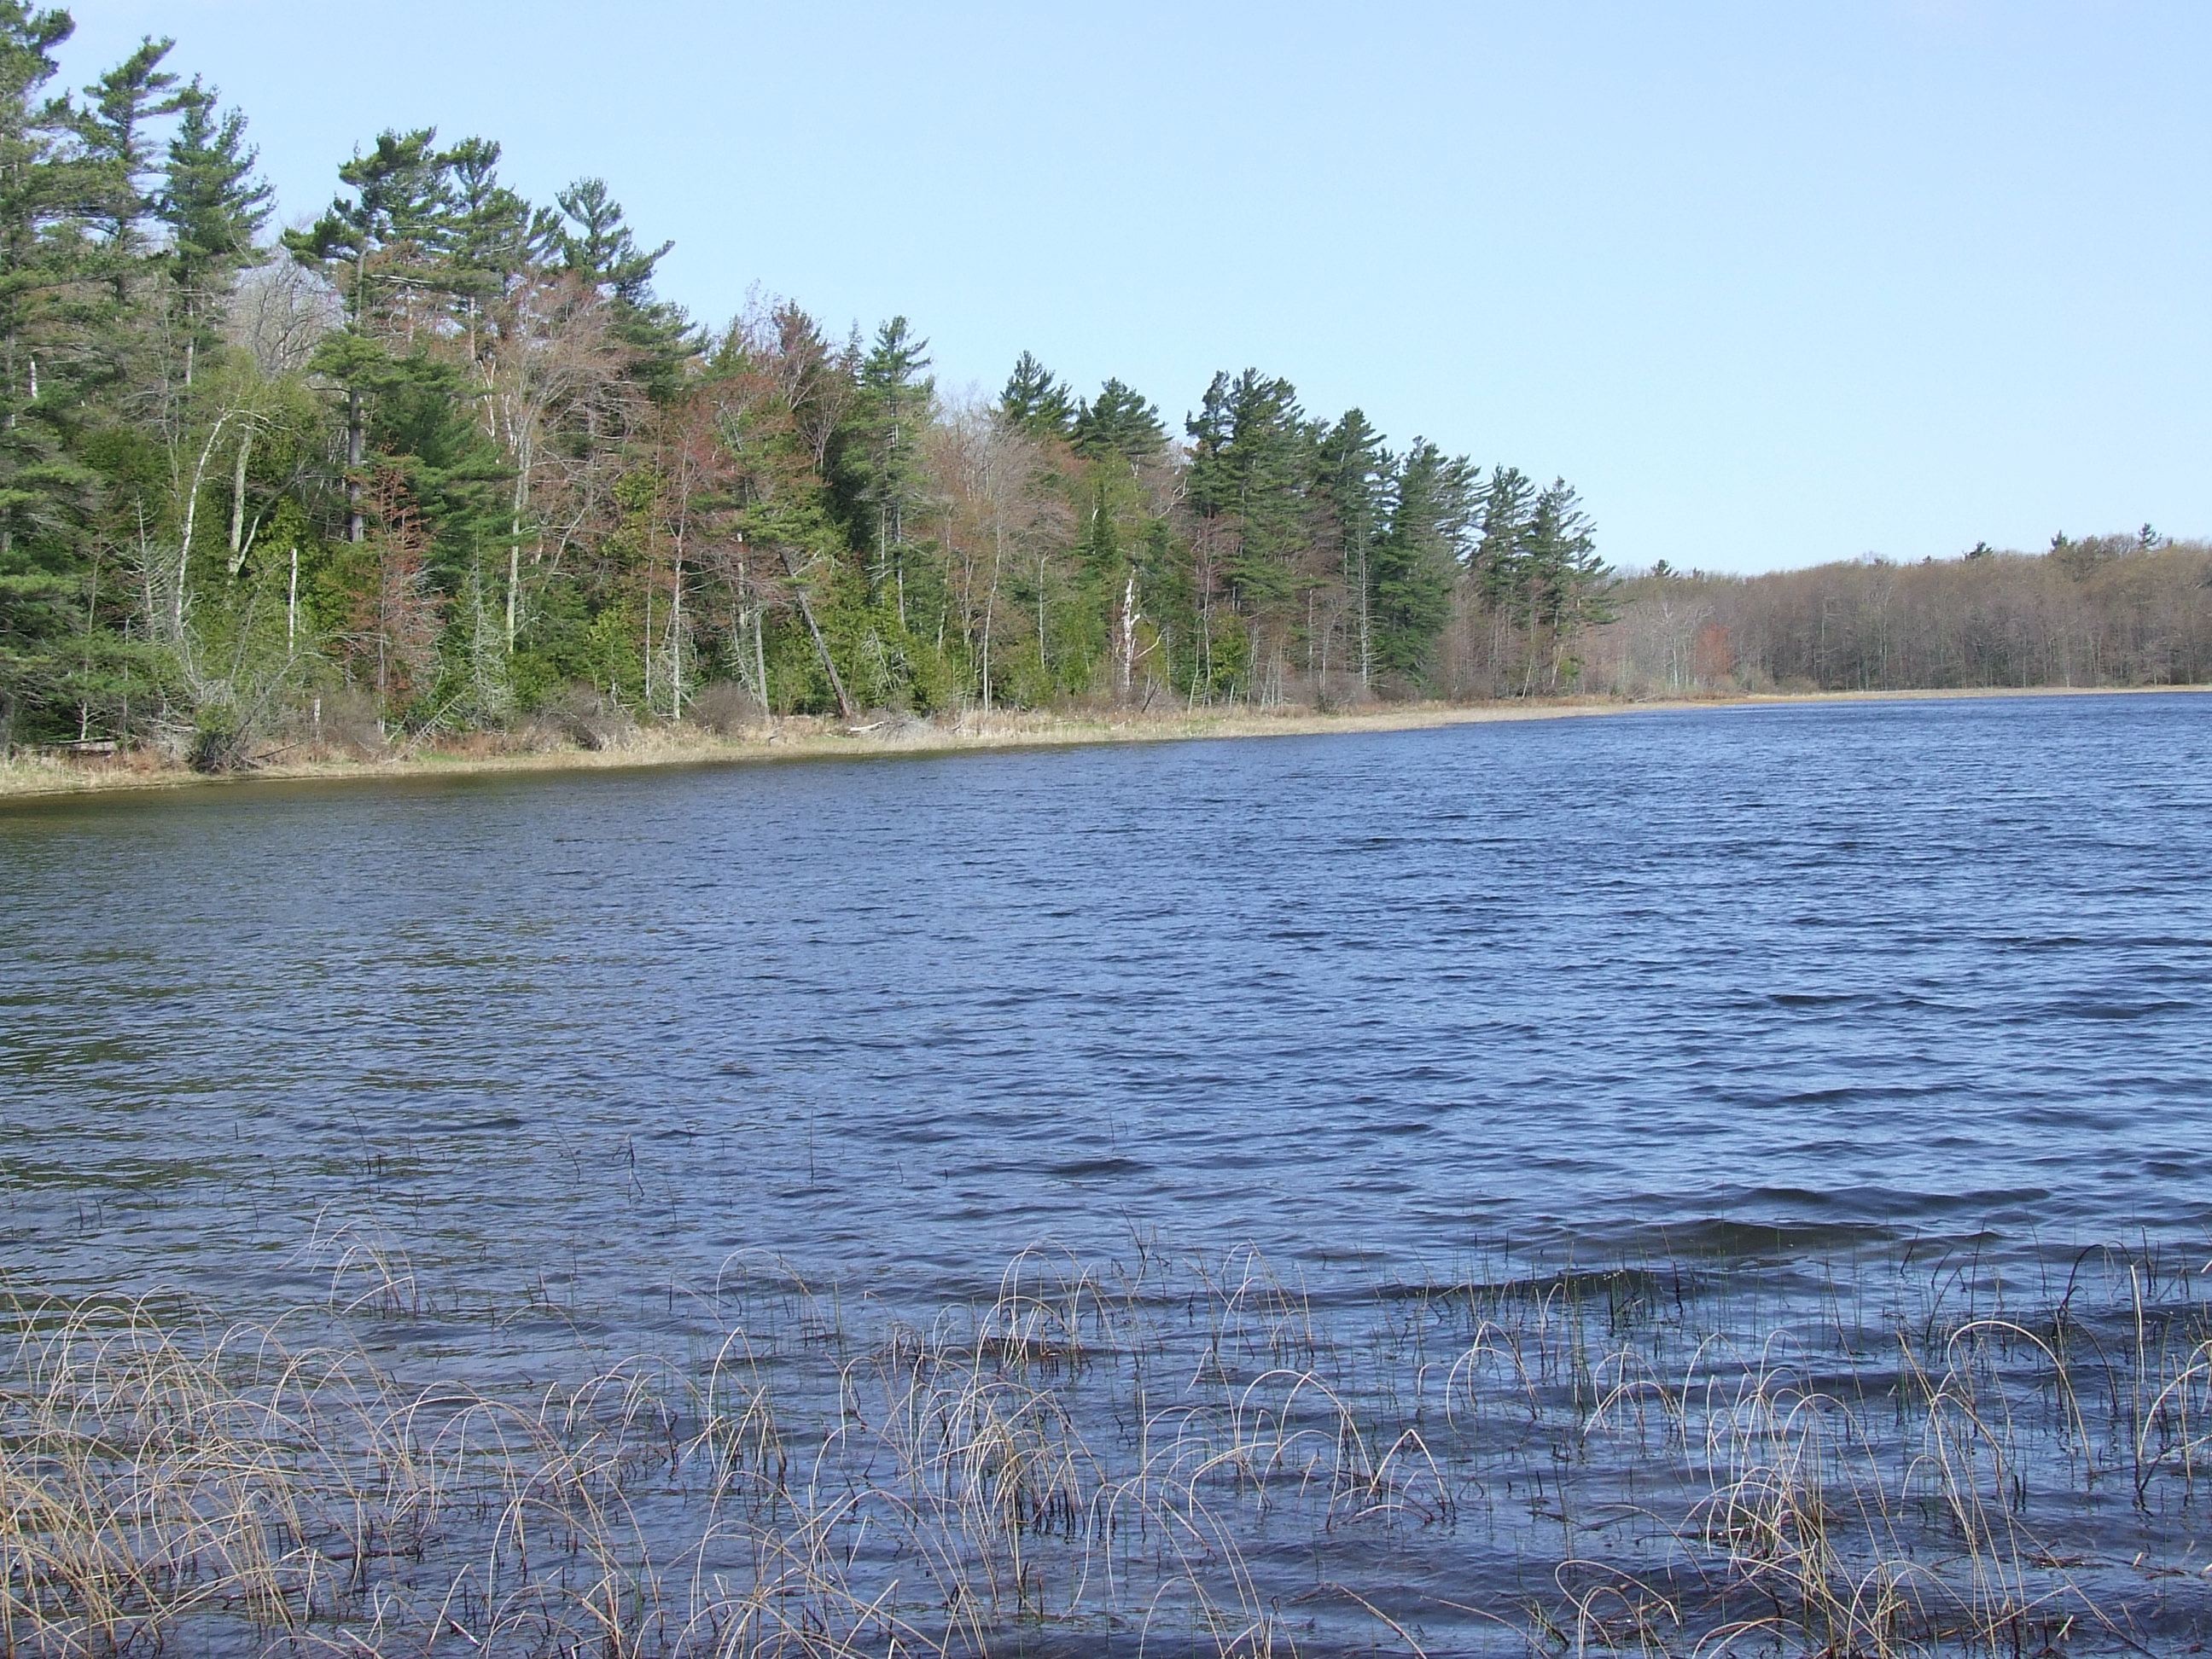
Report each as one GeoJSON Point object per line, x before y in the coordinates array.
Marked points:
{"type": "Point", "coordinates": [1773, 283]}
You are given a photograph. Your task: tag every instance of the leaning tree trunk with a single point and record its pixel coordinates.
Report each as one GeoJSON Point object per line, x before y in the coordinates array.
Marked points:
{"type": "Point", "coordinates": [822, 645]}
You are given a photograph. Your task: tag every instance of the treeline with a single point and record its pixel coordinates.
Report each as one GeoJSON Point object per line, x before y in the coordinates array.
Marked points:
{"type": "Point", "coordinates": [2115, 609]}
{"type": "Point", "coordinates": [444, 457]}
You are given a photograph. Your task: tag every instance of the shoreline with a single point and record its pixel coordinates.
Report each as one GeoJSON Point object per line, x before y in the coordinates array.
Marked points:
{"type": "Point", "coordinates": [801, 737]}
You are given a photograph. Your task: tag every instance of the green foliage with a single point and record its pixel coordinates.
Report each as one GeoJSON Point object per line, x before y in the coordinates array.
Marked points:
{"type": "Point", "coordinates": [377, 247]}
{"type": "Point", "coordinates": [1417, 560]}
{"type": "Point", "coordinates": [1351, 479]}
{"type": "Point", "coordinates": [213, 209]}
{"type": "Point", "coordinates": [491, 237]}
{"type": "Point", "coordinates": [1535, 564]}
{"type": "Point", "coordinates": [1119, 425]}
{"type": "Point", "coordinates": [445, 452]}
{"type": "Point", "coordinates": [610, 658]}
{"type": "Point", "coordinates": [884, 450]}
{"type": "Point", "coordinates": [1250, 461]}
{"type": "Point", "coordinates": [118, 152]}
{"type": "Point", "coordinates": [1034, 402]}
{"type": "Point", "coordinates": [598, 249]}
{"type": "Point", "coordinates": [426, 427]}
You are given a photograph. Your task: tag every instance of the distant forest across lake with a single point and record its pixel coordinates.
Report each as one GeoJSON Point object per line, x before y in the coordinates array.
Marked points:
{"type": "Point", "coordinates": [2102, 611]}
{"type": "Point", "coordinates": [444, 460]}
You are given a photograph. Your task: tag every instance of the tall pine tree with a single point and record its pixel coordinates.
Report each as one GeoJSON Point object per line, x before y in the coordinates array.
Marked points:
{"type": "Point", "coordinates": [214, 210]}
{"type": "Point", "coordinates": [1118, 425]}
{"type": "Point", "coordinates": [1352, 477]}
{"type": "Point", "coordinates": [1432, 513]}
{"type": "Point", "coordinates": [896, 399]}
{"type": "Point", "coordinates": [1035, 402]}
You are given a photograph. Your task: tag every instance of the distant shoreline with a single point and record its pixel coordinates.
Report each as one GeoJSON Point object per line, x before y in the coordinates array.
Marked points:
{"type": "Point", "coordinates": [813, 738]}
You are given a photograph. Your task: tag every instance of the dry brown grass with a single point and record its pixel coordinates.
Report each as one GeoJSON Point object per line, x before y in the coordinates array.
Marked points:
{"type": "Point", "coordinates": [540, 747]}
{"type": "Point", "coordinates": [1196, 1458]}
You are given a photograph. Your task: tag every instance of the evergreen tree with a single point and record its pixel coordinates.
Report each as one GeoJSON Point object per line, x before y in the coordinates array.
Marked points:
{"type": "Point", "coordinates": [45, 253]}
{"type": "Point", "coordinates": [1569, 585]}
{"type": "Point", "coordinates": [1353, 476]}
{"type": "Point", "coordinates": [521, 414]}
{"type": "Point", "coordinates": [1500, 564]}
{"type": "Point", "coordinates": [1034, 402]}
{"type": "Point", "coordinates": [1432, 513]}
{"type": "Point", "coordinates": [1249, 466]}
{"type": "Point", "coordinates": [490, 238]}
{"type": "Point", "coordinates": [1119, 425]}
{"type": "Point", "coordinates": [213, 207]}
{"type": "Point", "coordinates": [379, 251]}
{"type": "Point", "coordinates": [896, 396]}
{"type": "Point", "coordinates": [597, 244]}
{"type": "Point", "coordinates": [381, 248]}
{"type": "Point", "coordinates": [597, 248]}
{"type": "Point", "coordinates": [119, 151]}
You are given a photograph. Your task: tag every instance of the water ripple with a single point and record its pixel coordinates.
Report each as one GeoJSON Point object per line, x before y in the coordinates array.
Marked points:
{"type": "Point", "coordinates": [1881, 969]}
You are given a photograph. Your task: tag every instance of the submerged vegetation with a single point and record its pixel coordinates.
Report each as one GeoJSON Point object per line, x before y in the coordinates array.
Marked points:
{"type": "Point", "coordinates": [1662, 1457]}
{"type": "Point", "coordinates": [443, 461]}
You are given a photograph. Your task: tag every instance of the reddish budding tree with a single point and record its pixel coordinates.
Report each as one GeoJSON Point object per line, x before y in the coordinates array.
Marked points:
{"type": "Point", "coordinates": [392, 628]}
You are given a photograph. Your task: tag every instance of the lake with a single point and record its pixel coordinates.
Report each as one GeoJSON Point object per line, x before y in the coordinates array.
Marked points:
{"type": "Point", "coordinates": [1874, 970]}
{"type": "Point", "coordinates": [1800, 996]}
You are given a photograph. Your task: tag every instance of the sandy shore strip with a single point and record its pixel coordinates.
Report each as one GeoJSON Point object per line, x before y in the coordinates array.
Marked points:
{"type": "Point", "coordinates": [813, 738]}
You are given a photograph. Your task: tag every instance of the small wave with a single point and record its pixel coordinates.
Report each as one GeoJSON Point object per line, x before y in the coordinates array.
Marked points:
{"type": "Point", "coordinates": [1084, 1167]}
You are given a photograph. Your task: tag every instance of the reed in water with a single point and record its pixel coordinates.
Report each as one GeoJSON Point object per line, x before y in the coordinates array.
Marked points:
{"type": "Point", "coordinates": [1658, 1457]}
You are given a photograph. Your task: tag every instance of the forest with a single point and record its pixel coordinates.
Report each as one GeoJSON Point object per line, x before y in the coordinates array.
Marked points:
{"type": "Point", "coordinates": [2100, 610]}
{"type": "Point", "coordinates": [441, 459]}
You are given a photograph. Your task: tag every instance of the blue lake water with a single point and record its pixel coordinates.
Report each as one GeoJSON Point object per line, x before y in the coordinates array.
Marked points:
{"type": "Point", "coordinates": [1591, 1184]}
{"type": "Point", "coordinates": [1797, 978]}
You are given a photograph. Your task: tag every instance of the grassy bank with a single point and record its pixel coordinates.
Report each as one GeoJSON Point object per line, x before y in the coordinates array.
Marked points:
{"type": "Point", "coordinates": [801, 737]}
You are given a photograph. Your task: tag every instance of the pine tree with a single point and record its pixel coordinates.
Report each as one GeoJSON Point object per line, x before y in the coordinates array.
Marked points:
{"type": "Point", "coordinates": [1248, 465]}
{"type": "Point", "coordinates": [46, 252]}
{"type": "Point", "coordinates": [119, 152]}
{"type": "Point", "coordinates": [597, 248]}
{"type": "Point", "coordinates": [1499, 562]}
{"type": "Point", "coordinates": [1119, 425]}
{"type": "Point", "coordinates": [1351, 475]}
{"type": "Point", "coordinates": [490, 237]}
{"type": "Point", "coordinates": [213, 207]}
{"type": "Point", "coordinates": [378, 251]}
{"type": "Point", "coordinates": [1569, 585]}
{"type": "Point", "coordinates": [601, 249]}
{"type": "Point", "coordinates": [1432, 513]}
{"type": "Point", "coordinates": [1034, 402]}
{"type": "Point", "coordinates": [896, 396]}
{"type": "Point", "coordinates": [513, 387]}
